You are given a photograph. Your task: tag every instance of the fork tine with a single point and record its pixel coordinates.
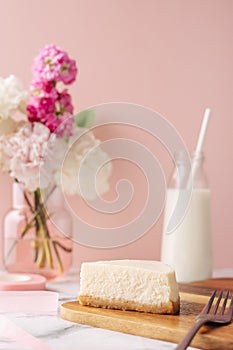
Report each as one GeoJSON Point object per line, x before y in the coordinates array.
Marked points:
{"type": "Point", "coordinates": [218, 302]}
{"type": "Point", "coordinates": [230, 311]}
{"type": "Point", "coordinates": [206, 309]}
{"type": "Point", "coordinates": [224, 303]}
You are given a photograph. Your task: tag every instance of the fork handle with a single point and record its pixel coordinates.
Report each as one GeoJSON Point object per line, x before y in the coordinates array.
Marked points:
{"type": "Point", "coordinates": [189, 336]}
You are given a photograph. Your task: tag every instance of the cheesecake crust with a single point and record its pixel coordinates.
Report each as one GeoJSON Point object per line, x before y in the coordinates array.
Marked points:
{"type": "Point", "coordinates": [172, 307]}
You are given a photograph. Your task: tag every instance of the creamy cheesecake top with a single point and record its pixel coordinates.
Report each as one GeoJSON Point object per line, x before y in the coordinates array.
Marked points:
{"type": "Point", "coordinates": [156, 266]}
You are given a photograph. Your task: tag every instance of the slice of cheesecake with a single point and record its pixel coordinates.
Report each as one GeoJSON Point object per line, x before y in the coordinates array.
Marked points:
{"type": "Point", "coordinates": [142, 285]}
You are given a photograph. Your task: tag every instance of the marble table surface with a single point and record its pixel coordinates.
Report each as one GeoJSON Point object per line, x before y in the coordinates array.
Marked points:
{"type": "Point", "coordinates": [58, 334]}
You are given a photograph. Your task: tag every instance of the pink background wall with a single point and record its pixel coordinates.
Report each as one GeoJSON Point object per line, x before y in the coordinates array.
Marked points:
{"type": "Point", "coordinates": [173, 56]}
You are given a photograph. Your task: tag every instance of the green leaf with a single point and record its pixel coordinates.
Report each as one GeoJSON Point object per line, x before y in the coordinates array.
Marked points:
{"type": "Point", "coordinates": [85, 119]}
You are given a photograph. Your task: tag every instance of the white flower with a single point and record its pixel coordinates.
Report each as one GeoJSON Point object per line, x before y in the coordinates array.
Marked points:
{"type": "Point", "coordinates": [94, 174]}
{"type": "Point", "coordinates": [12, 97]}
{"type": "Point", "coordinates": [7, 126]}
{"type": "Point", "coordinates": [53, 161]}
{"type": "Point", "coordinates": [86, 168]}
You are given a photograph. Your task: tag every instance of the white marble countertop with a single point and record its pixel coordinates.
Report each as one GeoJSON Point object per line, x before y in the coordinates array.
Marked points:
{"type": "Point", "coordinates": [59, 334]}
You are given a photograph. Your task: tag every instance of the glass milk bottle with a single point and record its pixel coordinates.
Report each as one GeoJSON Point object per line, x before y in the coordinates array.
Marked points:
{"type": "Point", "coordinates": [188, 248]}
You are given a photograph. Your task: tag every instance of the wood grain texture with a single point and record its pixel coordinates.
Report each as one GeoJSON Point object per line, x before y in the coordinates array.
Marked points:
{"type": "Point", "coordinates": [164, 327]}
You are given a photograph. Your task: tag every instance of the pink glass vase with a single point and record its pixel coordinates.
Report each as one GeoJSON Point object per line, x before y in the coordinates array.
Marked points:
{"type": "Point", "coordinates": [37, 237]}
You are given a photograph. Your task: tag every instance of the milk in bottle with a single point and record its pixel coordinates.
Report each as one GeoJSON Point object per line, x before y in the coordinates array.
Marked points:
{"type": "Point", "coordinates": [188, 248]}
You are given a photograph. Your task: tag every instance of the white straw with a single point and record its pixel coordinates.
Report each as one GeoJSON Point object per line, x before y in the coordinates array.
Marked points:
{"type": "Point", "coordinates": [203, 130]}
{"type": "Point", "coordinates": [200, 143]}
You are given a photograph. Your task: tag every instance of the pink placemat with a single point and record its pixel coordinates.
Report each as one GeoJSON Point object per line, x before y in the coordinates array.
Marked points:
{"type": "Point", "coordinates": [17, 281]}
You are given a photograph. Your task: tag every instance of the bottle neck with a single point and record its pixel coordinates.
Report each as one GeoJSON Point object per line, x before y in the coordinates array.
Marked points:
{"type": "Point", "coordinates": [179, 158]}
{"type": "Point", "coordinates": [183, 176]}
{"type": "Point", "coordinates": [18, 196]}
{"type": "Point", "coordinates": [198, 159]}
{"type": "Point", "coordinates": [55, 200]}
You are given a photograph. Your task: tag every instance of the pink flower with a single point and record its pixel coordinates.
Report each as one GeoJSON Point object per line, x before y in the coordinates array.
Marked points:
{"type": "Point", "coordinates": [65, 127]}
{"type": "Point", "coordinates": [56, 113]}
{"type": "Point", "coordinates": [61, 126]}
{"type": "Point", "coordinates": [64, 103]}
{"type": "Point", "coordinates": [53, 65]}
{"type": "Point", "coordinates": [24, 153]}
{"type": "Point", "coordinates": [46, 104]}
{"type": "Point", "coordinates": [42, 90]}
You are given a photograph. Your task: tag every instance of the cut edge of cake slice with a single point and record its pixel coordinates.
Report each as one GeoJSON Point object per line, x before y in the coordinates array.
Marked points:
{"type": "Point", "coordinates": [141, 285]}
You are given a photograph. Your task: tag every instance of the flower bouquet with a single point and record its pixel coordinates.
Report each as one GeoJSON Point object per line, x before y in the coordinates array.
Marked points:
{"type": "Point", "coordinates": [45, 149]}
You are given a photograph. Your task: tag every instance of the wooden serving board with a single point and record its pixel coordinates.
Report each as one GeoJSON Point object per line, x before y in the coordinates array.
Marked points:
{"type": "Point", "coordinates": [164, 327]}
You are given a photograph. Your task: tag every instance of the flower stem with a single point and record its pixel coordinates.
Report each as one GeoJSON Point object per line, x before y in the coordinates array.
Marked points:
{"type": "Point", "coordinates": [43, 243]}
{"type": "Point", "coordinates": [40, 262]}
{"type": "Point", "coordinates": [42, 230]}
{"type": "Point", "coordinates": [36, 248]}
{"type": "Point", "coordinates": [68, 250]}
{"type": "Point", "coordinates": [58, 257]}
